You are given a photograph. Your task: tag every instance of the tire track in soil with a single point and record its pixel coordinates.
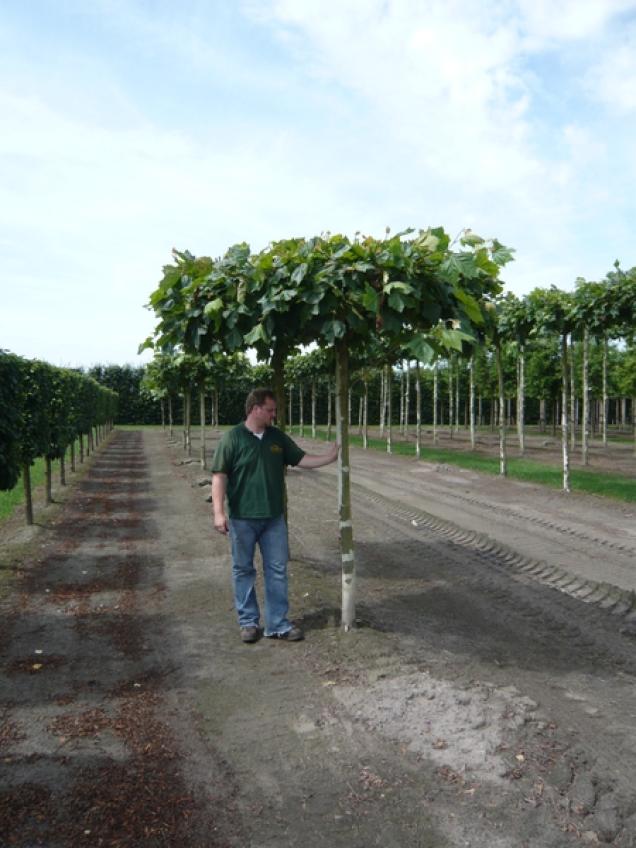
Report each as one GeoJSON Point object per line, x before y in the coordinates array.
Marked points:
{"type": "Point", "coordinates": [86, 756]}
{"type": "Point", "coordinates": [472, 605]}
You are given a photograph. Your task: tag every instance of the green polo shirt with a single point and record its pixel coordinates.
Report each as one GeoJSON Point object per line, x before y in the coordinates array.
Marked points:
{"type": "Point", "coordinates": [255, 470]}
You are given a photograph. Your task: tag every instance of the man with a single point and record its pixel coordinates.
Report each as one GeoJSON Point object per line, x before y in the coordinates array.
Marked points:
{"type": "Point", "coordinates": [249, 467]}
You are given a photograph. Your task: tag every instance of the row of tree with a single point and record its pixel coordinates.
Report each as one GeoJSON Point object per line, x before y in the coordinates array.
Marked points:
{"type": "Point", "coordinates": [369, 304]}
{"type": "Point", "coordinates": [44, 411]}
{"type": "Point", "coordinates": [372, 299]}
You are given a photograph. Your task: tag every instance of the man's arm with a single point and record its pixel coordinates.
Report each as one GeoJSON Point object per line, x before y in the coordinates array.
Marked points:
{"type": "Point", "coordinates": [219, 487]}
{"type": "Point", "coordinates": [317, 460]}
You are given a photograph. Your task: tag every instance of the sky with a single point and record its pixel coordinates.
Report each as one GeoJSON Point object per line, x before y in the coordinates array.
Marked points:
{"type": "Point", "coordinates": [129, 127]}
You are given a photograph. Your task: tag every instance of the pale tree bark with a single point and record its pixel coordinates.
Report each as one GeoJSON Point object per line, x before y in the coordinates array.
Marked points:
{"type": "Point", "coordinates": [48, 488]}
{"type": "Point", "coordinates": [329, 413]}
{"type": "Point", "coordinates": [407, 398]}
{"type": "Point", "coordinates": [457, 376]}
{"type": "Point", "coordinates": [170, 421]}
{"type": "Point", "coordinates": [313, 409]}
{"type": "Point", "coordinates": [28, 493]}
{"type": "Point", "coordinates": [521, 400]}
{"type": "Point", "coordinates": [471, 399]}
{"type": "Point", "coordinates": [349, 396]}
{"type": "Point", "coordinates": [389, 409]}
{"type": "Point", "coordinates": [202, 417]}
{"type": "Point", "coordinates": [542, 419]}
{"type": "Point", "coordinates": [564, 412]}
{"type": "Point", "coordinates": [290, 413]}
{"type": "Point", "coordinates": [344, 489]}
{"type": "Point", "coordinates": [301, 396]}
{"type": "Point", "coordinates": [365, 416]}
{"type": "Point", "coordinates": [435, 400]}
{"type": "Point", "coordinates": [189, 422]}
{"type": "Point", "coordinates": [382, 403]}
{"type": "Point", "coordinates": [450, 397]}
{"type": "Point", "coordinates": [162, 404]}
{"type": "Point", "coordinates": [605, 403]}
{"type": "Point", "coordinates": [503, 456]}
{"type": "Point", "coordinates": [360, 414]}
{"type": "Point", "coordinates": [401, 399]}
{"type": "Point", "coordinates": [418, 410]}
{"type": "Point", "coordinates": [572, 397]}
{"type": "Point", "coordinates": [585, 423]}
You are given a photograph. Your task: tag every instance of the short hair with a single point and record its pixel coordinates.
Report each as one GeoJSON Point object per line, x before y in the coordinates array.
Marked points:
{"type": "Point", "coordinates": [257, 397]}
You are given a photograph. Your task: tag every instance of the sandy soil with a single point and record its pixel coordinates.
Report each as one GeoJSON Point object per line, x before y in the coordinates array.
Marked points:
{"type": "Point", "coordinates": [486, 699]}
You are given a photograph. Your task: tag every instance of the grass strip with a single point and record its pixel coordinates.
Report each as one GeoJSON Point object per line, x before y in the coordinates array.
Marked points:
{"type": "Point", "coordinates": [15, 497]}
{"type": "Point", "coordinates": [586, 480]}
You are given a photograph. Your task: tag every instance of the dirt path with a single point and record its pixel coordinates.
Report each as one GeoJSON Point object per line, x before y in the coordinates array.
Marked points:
{"type": "Point", "coordinates": [476, 705]}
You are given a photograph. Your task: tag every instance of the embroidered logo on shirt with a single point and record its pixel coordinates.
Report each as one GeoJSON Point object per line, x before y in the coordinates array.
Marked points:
{"type": "Point", "coordinates": [276, 449]}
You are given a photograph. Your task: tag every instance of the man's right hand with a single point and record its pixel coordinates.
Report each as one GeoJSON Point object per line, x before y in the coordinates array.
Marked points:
{"type": "Point", "coordinates": [221, 523]}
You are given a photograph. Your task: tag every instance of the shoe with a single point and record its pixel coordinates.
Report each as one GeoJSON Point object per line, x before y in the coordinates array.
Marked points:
{"type": "Point", "coordinates": [250, 634]}
{"type": "Point", "coordinates": [293, 635]}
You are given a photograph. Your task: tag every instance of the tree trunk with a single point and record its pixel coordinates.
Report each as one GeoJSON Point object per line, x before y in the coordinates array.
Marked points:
{"type": "Point", "coordinates": [81, 447]}
{"type": "Point", "coordinates": [28, 494]}
{"type": "Point", "coordinates": [402, 396]}
{"type": "Point", "coordinates": [290, 413]}
{"type": "Point", "coordinates": [435, 400]}
{"type": "Point", "coordinates": [301, 395]}
{"type": "Point", "coordinates": [63, 468]}
{"type": "Point", "coordinates": [503, 458]}
{"type": "Point", "coordinates": [349, 398]}
{"type": "Point", "coordinates": [407, 398]}
{"type": "Point", "coordinates": [382, 403]}
{"type": "Point", "coordinates": [572, 397]}
{"type": "Point", "coordinates": [418, 410]}
{"type": "Point", "coordinates": [48, 488]}
{"type": "Point", "coordinates": [202, 416]}
{"type": "Point", "coordinates": [365, 417]}
{"type": "Point", "coordinates": [605, 403]}
{"type": "Point", "coordinates": [521, 400]}
{"type": "Point", "coordinates": [471, 400]}
{"type": "Point", "coordinates": [457, 375]}
{"type": "Point", "coordinates": [170, 421]}
{"type": "Point", "coordinates": [585, 423]}
{"type": "Point", "coordinates": [73, 454]}
{"type": "Point", "coordinates": [564, 412]}
{"type": "Point", "coordinates": [344, 488]}
{"type": "Point", "coordinates": [189, 422]}
{"type": "Point", "coordinates": [278, 367]}
{"type": "Point", "coordinates": [360, 414]}
{"type": "Point", "coordinates": [450, 398]}
{"type": "Point", "coordinates": [329, 413]}
{"type": "Point", "coordinates": [542, 421]}
{"type": "Point", "coordinates": [389, 409]}
{"type": "Point", "coordinates": [313, 409]}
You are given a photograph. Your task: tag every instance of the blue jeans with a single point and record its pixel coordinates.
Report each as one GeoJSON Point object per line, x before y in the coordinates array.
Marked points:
{"type": "Point", "coordinates": [271, 536]}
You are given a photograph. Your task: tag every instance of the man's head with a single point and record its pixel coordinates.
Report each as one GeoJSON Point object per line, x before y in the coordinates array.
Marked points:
{"type": "Point", "coordinates": [260, 404]}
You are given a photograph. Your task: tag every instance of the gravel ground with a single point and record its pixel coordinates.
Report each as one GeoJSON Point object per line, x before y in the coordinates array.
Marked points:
{"type": "Point", "coordinates": [486, 697]}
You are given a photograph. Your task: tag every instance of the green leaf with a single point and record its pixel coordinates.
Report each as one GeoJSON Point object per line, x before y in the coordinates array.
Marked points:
{"type": "Point", "coordinates": [213, 307]}
{"type": "Point", "coordinates": [420, 349]}
{"type": "Point", "coordinates": [501, 254]}
{"type": "Point", "coordinates": [333, 330]}
{"type": "Point", "coordinates": [396, 301]}
{"type": "Point", "coordinates": [299, 273]}
{"type": "Point", "coordinates": [257, 334]}
{"type": "Point", "coordinates": [471, 306]}
{"type": "Point", "coordinates": [370, 298]}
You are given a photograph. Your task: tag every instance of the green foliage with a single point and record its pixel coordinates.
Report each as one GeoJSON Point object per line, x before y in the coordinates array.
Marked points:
{"type": "Point", "coordinates": [46, 408]}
